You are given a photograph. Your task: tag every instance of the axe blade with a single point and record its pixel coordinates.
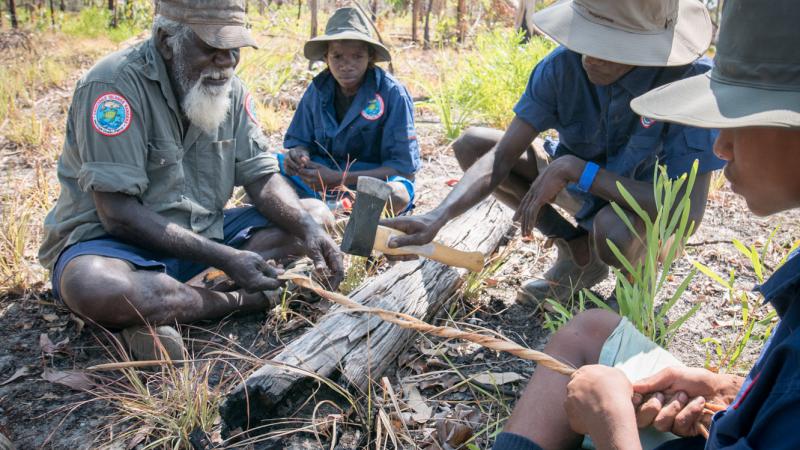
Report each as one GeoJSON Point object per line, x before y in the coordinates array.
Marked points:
{"type": "Point", "coordinates": [359, 233]}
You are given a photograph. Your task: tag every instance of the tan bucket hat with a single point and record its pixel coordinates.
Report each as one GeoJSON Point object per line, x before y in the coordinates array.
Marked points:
{"type": "Point", "coordinates": [219, 23]}
{"type": "Point", "coordinates": [345, 24]}
{"type": "Point", "coordinates": [636, 32]}
{"type": "Point", "coordinates": [755, 81]}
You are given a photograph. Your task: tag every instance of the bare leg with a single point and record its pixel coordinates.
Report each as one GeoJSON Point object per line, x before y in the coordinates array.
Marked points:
{"type": "Point", "coordinates": [539, 414]}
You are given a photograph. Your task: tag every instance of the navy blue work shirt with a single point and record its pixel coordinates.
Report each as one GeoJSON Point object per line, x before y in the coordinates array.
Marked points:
{"type": "Point", "coordinates": [596, 123]}
{"type": "Point", "coordinates": [378, 128]}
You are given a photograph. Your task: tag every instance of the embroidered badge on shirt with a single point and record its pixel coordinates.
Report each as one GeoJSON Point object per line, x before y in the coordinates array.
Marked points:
{"type": "Point", "coordinates": [251, 107]}
{"type": "Point", "coordinates": [647, 122]}
{"type": "Point", "coordinates": [111, 114]}
{"type": "Point", "coordinates": [374, 109]}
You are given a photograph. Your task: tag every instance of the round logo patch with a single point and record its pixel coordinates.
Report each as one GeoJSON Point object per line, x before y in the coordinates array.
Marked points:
{"type": "Point", "coordinates": [111, 114]}
{"type": "Point", "coordinates": [647, 122]}
{"type": "Point", "coordinates": [374, 109]}
{"type": "Point", "coordinates": [251, 107]}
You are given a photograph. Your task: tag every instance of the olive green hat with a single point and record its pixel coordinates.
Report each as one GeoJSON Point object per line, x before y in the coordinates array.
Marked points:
{"type": "Point", "coordinates": [755, 81]}
{"type": "Point", "coordinates": [657, 33]}
{"type": "Point", "coordinates": [219, 23]}
{"type": "Point", "coordinates": [345, 24]}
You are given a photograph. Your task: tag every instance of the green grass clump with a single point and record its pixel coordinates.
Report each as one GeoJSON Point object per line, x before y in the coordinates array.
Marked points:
{"type": "Point", "coordinates": [94, 23]}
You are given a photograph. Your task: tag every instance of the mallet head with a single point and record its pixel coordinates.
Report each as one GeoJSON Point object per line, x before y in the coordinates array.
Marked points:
{"type": "Point", "coordinates": [359, 234]}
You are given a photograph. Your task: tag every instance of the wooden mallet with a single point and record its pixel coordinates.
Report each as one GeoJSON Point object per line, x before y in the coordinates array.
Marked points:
{"type": "Point", "coordinates": [362, 232]}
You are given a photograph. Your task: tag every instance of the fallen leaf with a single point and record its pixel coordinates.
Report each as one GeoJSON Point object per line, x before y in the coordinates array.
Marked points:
{"type": "Point", "coordinates": [48, 347]}
{"type": "Point", "coordinates": [21, 372]}
{"type": "Point", "coordinates": [79, 323]}
{"type": "Point", "coordinates": [445, 381]}
{"type": "Point", "coordinates": [451, 182]}
{"type": "Point", "coordinates": [457, 428]}
{"type": "Point", "coordinates": [422, 412]}
{"type": "Point", "coordinates": [497, 378]}
{"type": "Point", "coordinates": [73, 379]}
{"type": "Point", "coordinates": [50, 317]}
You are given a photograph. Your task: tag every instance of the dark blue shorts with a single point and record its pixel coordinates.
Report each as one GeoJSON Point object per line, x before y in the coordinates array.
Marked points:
{"type": "Point", "coordinates": [240, 223]}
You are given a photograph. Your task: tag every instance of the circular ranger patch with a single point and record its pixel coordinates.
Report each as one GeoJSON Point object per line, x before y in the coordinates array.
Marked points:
{"type": "Point", "coordinates": [374, 109]}
{"type": "Point", "coordinates": [111, 114]}
{"type": "Point", "coordinates": [251, 107]}
{"type": "Point", "coordinates": [647, 122]}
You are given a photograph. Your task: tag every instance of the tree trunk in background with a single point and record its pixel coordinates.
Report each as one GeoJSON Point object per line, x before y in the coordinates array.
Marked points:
{"type": "Point", "coordinates": [461, 20]}
{"type": "Point", "coordinates": [415, 13]}
{"type": "Point", "coordinates": [52, 13]}
{"type": "Point", "coordinates": [312, 6]}
{"type": "Point", "coordinates": [62, 6]}
{"type": "Point", "coordinates": [299, 8]}
{"type": "Point", "coordinates": [374, 11]}
{"type": "Point", "coordinates": [112, 7]}
{"type": "Point", "coordinates": [12, 13]}
{"type": "Point", "coordinates": [426, 36]}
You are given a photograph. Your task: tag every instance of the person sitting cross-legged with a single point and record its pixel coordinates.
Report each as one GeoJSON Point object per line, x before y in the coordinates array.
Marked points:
{"type": "Point", "coordinates": [627, 388]}
{"type": "Point", "coordinates": [158, 135]}
{"type": "Point", "coordinates": [353, 120]}
{"type": "Point", "coordinates": [611, 51]}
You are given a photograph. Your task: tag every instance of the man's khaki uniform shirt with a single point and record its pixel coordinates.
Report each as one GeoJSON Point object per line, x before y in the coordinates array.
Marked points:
{"type": "Point", "coordinates": [125, 134]}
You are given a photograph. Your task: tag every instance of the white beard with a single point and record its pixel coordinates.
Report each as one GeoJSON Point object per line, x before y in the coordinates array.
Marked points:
{"type": "Point", "coordinates": [207, 106]}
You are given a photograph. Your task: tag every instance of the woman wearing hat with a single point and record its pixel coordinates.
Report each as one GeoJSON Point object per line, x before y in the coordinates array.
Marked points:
{"type": "Point", "coordinates": [753, 95]}
{"type": "Point", "coordinates": [354, 120]}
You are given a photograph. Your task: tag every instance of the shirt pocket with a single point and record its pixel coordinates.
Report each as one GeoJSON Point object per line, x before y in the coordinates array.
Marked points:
{"type": "Point", "coordinates": [640, 157]}
{"type": "Point", "coordinates": [367, 145]}
{"type": "Point", "coordinates": [581, 141]}
{"type": "Point", "coordinates": [221, 171]}
{"type": "Point", "coordinates": [164, 172]}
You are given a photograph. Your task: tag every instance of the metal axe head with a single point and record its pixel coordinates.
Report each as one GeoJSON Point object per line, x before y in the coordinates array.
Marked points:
{"type": "Point", "coordinates": [359, 233]}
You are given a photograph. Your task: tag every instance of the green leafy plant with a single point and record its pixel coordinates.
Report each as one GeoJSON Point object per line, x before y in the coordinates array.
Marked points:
{"type": "Point", "coordinates": [755, 320]}
{"type": "Point", "coordinates": [640, 284]}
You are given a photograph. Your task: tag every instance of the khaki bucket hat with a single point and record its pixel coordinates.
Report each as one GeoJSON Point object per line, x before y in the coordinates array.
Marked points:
{"type": "Point", "coordinates": [636, 32]}
{"type": "Point", "coordinates": [345, 24]}
{"type": "Point", "coordinates": [755, 81]}
{"type": "Point", "coordinates": [219, 23]}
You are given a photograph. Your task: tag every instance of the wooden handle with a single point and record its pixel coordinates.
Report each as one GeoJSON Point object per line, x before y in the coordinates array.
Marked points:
{"type": "Point", "coordinates": [435, 251]}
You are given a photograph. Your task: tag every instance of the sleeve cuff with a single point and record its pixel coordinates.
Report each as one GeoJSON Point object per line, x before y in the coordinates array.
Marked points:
{"type": "Point", "coordinates": [112, 177]}
{"type": "Point", "coordinates": [250, 170]}
{"type": "Point", "coordinates": [511, 441]}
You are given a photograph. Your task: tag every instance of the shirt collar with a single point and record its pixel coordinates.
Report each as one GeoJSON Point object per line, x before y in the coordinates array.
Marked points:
{"type": "Point", "coordinates": [780, 288]}
{"type": "Point", "coordinates": [156, 70]}
{"type": "Point", "coordinates": [639, 80]}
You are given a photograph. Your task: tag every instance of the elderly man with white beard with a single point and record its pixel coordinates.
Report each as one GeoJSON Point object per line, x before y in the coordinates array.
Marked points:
{"type": "Point", "coordinates": [157, 138]}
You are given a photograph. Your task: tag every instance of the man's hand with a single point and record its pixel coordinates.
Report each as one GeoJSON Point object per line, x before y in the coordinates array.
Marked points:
{"type": "Point", "coordinates": [251, 272]}
{"type": "Point", "coordinates": [326, 256]}
{"type": "Point", "coordinates": [419, 230]}
{"type": "Point", "coordinates": [320, 177]}
{"type": "Point", "coordinates": [296, 160]}
{"type": "Point", "coordinates": [545, 188]}
{"type": "Point", "coordinates": [673, 399]}
{"type": "Point", "coordinates": [599, 404]}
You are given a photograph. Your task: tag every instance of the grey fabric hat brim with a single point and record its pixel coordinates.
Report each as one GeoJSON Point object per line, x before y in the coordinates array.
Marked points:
{"type": "Point", "coordinates": [674, 47]}
{"type": "Point", "coordinates": [702, 102]}
{"type": "Point", "coordinates": [315, 49]}
{"type": "Point", "coordinates": [224, 36]}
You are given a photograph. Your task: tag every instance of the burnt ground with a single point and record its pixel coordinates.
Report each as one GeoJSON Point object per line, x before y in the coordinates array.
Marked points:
{"type": "Point", "coordinates": [46, 350]}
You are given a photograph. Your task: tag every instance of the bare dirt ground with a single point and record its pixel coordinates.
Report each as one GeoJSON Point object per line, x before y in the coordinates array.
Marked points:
{"type": "Point", "coordinates": [46, 349]}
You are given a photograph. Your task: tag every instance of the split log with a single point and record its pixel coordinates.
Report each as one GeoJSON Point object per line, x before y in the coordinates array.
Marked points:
{"type": "Point", "coordinates": [352, 349]}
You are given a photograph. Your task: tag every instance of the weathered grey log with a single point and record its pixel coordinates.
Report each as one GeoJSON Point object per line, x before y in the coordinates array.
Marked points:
{"type": "Point", "coordinates": [351, 349]}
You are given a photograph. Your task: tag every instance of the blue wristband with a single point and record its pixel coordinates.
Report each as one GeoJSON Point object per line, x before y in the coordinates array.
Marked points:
{"type": "Point", "coordinates": [588, 176]}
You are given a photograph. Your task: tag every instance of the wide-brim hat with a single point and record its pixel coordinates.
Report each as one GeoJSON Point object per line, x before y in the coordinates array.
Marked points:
{"type": "Point", "coordinates": [636, 32]}
{"type": "Point", "coordinates": [219, 23]}
{"type": "Point", "coordinates": [755, 81]}
{"type": "Point", "coordinates": [345, 24]}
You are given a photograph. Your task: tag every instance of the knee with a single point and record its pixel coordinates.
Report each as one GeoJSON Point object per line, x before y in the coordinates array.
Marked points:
{"type": "Point", "coordinates": [469, 147]}
{"type": "Point", "coordinates": [399, 198]}
{"type": "Point", "coordinates": [585, 334]}
{"type": "Point", "coordinates": [94, 290]}
{"type": "Point", "coordinates": [608, 226]}
{"type": "Point", "coordinates": [319, 211]}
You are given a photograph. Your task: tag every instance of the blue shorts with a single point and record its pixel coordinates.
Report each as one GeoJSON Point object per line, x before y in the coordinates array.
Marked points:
{"type": "Point", "coordinates": [240, 223]}
{"type": "Point", "coordinates": [305, 191]}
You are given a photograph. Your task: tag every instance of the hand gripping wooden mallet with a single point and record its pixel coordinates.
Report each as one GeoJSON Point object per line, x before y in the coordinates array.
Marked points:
{"type": "Point", "coordinates": [362, 233]}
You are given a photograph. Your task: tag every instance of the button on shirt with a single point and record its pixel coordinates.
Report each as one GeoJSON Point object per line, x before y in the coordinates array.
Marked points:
{"type": "Point", "coordinates": [125, 134]}
{"type": "Point", "coordinates": [378, 128]}
{"type": "Point", "coordinates": [596, 123]}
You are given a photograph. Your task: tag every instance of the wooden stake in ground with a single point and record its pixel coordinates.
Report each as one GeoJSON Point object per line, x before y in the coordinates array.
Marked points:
{"type": "Point", "coordinates": [354, 349]}
{"type": "Point", "coordinates": [12, 12]}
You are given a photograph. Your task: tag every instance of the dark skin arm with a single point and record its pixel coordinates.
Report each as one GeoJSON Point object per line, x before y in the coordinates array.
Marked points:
{"type": "Point", "coordinates": [276, 200]}
{"type": "Point", "coordinates": [478, 182]}
{"type": "Point", "coordinates": [125, 218]}
{"type": "Point", "coordinates": [318, 176]}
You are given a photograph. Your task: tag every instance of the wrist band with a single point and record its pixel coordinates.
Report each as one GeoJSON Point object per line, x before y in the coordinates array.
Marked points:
{"type": "Point", "coordinates": [588, 176]}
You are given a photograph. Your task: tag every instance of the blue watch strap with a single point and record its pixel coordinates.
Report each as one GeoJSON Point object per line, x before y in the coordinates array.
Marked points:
{"type": "Point", "coordinates": [588, 176]}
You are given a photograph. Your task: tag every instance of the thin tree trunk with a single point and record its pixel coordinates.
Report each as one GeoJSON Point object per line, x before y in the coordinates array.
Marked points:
{"type": "Point", "coordinates": [313, 6]}
{"type": "Point", "coordinates": [426, 37]}
{"type": "Point", "coordinates": [52, 14]}
{"type": "Point", "coordinates": [112, 7]}
{"type": "Point", "coordinates": [374, 11]}
{"type": "Point", "coordinates": [415, 13]}
{"type": "Point", "coordinates": [12, 12]}
{"type": "Point", "coordinates": [461, 20]}
{"type": "Point", "coordinates": [299, 8]}
{"type": "Point", "coordinates": [62, 6]}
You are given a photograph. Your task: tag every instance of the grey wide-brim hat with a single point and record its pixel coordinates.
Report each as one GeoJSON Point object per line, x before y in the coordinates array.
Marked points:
{"type": "Point", "coordinates": [636, 32]}
{"type": "Point", "coordinates": [345, 24]}
{"type": "Point", "coordinates": [219, 23]}
{"type": "Point", "coordinates": [755, 81]}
